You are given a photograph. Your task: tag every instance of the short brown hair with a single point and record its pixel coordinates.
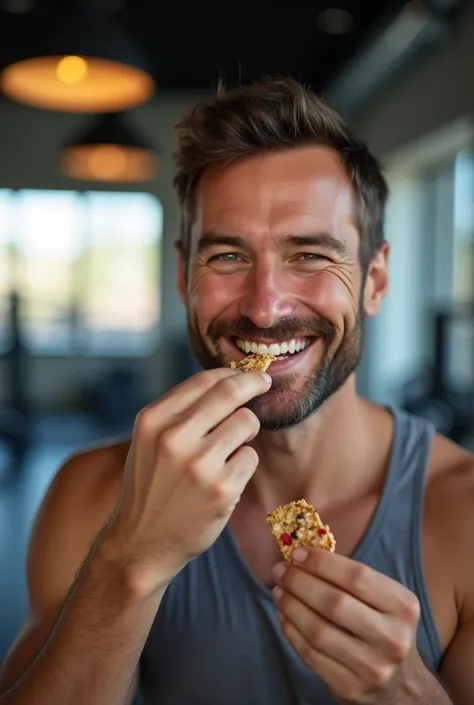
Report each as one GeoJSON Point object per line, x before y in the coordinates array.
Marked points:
{"type": "Point", "coordinates": [275, 114]}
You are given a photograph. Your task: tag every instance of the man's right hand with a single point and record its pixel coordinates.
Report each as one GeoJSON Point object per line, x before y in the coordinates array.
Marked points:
{"type": "Point", "coordinates": [187, 467]}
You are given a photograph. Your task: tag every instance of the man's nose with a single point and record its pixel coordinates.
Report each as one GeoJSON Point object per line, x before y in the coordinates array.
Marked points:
{"type": "Point", "coordinates": [266, 299]}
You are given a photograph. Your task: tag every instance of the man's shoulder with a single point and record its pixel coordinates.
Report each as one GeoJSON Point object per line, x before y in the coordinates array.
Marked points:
{"type": "Point", "coordinates": [89, 481]}
{"type": "Point", "coordinates": [78, 502]}
{"type": "Point", "coordinates": [451, 463]}
{"type": "Point", "coordinates": [450, 505]}
{"type": "Point", "coordinates": [451, 477]}
{"type": "Point", "coordinates": [95, 465]}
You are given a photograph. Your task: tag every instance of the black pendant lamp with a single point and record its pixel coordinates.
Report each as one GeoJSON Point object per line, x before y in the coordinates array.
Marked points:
{"type": "Point", "coordinates": [70, 56]}
{"type": "Point", "coordinates": [110, 149]}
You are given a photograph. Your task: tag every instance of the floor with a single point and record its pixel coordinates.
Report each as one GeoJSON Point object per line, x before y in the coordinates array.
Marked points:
{"type": "Point", "coordinates": [21, 491]}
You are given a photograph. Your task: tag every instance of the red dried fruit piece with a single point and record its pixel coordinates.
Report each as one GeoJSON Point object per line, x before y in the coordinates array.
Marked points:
{"type": "Point", "coordinates": [286, 539]}
{"type": "Point", "coordinates": [322, 532]}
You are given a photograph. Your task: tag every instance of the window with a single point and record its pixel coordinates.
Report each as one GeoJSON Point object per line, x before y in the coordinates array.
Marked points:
{"type": "Point", "coordinates": [47, 243]}
{"type": "Point", "coordinates": [87, 269]}
{"type": "Point", "coordinates": [5, 266]}
{"type": "Point", "coordinates": [464, 228]}
{"type": "Point", "coordinates": [430, 225]}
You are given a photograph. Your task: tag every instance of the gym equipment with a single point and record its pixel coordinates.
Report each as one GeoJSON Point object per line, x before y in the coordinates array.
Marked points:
{"type": "Point", "coordinates": [436, 394]}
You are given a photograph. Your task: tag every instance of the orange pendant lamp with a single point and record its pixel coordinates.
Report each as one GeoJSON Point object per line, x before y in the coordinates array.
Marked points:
{"type": "Point", "coordinates": [70, 56]}
{"type": "Point", "coordinates": [110, 149]}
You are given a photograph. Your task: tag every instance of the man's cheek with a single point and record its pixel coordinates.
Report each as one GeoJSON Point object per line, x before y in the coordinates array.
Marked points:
{"type": "Point", "coordinates": [212, 302]}
{"type": "Point", "coordinates": [335, 299]}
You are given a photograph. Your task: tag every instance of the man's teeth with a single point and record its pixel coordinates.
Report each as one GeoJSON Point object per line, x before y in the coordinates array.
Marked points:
{"type": "Point", "coordinates": [289, 346]}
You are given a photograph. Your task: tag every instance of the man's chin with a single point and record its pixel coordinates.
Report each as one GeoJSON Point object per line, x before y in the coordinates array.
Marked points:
{"type": "Point", "coordinates": [277, 410]}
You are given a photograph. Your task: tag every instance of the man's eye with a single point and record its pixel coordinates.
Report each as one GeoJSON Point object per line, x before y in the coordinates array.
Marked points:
{"type": "Point", "coordinates": [225, 257]}
{"type": "Point", "coordinates": [311, 257]}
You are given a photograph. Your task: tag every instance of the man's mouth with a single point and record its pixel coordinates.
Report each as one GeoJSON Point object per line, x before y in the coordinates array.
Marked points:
{"type": "Point", "coordinates": [281, 350]}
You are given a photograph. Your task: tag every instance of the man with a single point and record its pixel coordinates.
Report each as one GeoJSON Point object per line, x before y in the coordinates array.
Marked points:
{"type": "Point", "coordinates": [151, 561]}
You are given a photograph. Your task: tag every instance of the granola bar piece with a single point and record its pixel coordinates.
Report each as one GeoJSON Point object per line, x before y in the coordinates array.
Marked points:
{"type": "Point", "coordinates": [299, 524]}
{"type": "Point", "coordinates": [254, 362]}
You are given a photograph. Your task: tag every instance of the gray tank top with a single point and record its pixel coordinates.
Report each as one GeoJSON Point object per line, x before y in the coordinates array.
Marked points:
{"type": "Point", "coordinates": [216, 638]}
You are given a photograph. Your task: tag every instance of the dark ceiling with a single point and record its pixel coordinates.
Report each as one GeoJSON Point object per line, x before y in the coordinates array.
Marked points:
{"type": "Point", "coordinates": [192, 46]}
{"type": "Point", "coordinates": [188, 48]}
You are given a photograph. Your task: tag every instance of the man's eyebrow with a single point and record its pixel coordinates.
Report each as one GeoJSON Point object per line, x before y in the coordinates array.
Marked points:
{"type": "Point", "coordinates": [324, 240]}
{"type": "Point", "coordinates": [212, 239]}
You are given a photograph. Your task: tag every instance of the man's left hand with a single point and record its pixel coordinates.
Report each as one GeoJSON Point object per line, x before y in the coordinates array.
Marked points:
{"type": "Point", "coordinates": [353, 626]}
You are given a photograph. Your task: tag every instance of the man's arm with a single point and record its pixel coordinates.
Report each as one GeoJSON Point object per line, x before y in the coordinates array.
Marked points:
{"type": "Point", "coordinates": [189, 457]}
{"type": "Point", "coordinates": [452, 497]}
{"type": "Point", "coordinates": [43, 667]}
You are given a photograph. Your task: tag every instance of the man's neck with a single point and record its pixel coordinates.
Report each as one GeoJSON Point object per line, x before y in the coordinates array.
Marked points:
{"type": "Point", "coordinates": [335, 456]}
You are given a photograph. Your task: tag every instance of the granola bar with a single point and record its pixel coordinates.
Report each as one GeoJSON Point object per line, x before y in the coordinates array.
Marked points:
{"type": "Point", "coordinates": [254, 362]}
{"type": "Point", "coordinates": [299, 524]}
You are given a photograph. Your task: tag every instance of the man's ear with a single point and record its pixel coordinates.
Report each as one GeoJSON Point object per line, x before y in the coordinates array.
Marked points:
{"type": "Point", "coordinates": [182, 274]}
{"type": "Point", "coordinates": [376, 282]}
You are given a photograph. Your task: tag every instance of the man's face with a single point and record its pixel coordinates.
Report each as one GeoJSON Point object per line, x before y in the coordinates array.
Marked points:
{"type": "Point", "coordinates": [274, 262]}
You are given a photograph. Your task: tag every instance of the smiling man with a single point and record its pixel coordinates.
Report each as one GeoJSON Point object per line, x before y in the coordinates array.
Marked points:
{"type": "Point", "coordinates": [151, 561]}
{"type": "Point", "coordinates": [274, 259]}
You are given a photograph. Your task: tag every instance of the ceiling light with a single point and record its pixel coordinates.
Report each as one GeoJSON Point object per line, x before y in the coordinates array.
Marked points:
{"type": "Point", "coordinates": [110, 150]}
{"type": "Point", "coordinates": [77, 60]}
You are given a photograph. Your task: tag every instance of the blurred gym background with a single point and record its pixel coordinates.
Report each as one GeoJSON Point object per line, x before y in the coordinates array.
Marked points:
{"type": "Point", "coordinates": [91, 326]}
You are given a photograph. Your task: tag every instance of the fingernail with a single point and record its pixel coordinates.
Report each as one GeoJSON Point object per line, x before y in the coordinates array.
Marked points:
{"type": "Point", "coordinates": [266, 377]}
{"type": "Point", "coordinates": [277, 592]}
{"type": "Point", "coordinates": [279, 570]}
{"type": "Point", "coordinates": [300, 555]}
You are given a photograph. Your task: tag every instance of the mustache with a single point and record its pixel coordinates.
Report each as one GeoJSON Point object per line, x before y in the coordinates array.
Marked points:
{"type": "Point", "coordinates": [284, 329]}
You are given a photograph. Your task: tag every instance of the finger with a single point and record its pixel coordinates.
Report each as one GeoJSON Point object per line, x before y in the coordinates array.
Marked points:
{"type": "Point", "coordinates": [239, 428]}
{"type": "Point", "coordinates": [222, 400]}
{"type": "Point", "coordinates": [338, 678]}
{"type": "Point", "coordinates": [185, 394]}
{"type": "Point", "coordinates": [326, 638]}
{"type": "Point", "coordinates": [336, 606]}
{"type": "Point", "coordinates": [160, 415]}
{"type": "Point", "coordinates": [239, 469]}
{"type": "Point", "coordinates": [368, 585]}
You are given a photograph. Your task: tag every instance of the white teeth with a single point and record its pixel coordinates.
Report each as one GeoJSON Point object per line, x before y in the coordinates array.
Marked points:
{"type": "Point", "coordinates": [277, 349]}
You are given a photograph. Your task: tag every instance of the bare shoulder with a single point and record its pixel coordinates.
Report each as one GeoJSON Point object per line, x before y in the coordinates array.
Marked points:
{"type": "Point", "coordinates": [450, 505]}
{"type": "Point", "coordinates": [450, 523]}
{"type": "Point", "coordinates": [93, 474]}
{"type": "Point", "coordinates": [79, 500]}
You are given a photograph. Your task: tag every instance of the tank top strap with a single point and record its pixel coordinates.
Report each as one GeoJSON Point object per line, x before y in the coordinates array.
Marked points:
{"type": "Point", "coordinates": [393, 544]}
{"type": "Point", "coordinates": [408, 462]}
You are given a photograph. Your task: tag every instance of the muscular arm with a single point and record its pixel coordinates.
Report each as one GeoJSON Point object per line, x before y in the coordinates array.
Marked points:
{"type": "Point", "coordinates": [82, 640]}
{"type": "Point", "coordinates": [456, 498]}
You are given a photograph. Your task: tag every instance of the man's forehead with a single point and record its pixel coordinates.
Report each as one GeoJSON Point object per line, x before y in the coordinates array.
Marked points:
{"type": "Point", "coordinates": [295, 174]}
{"type": "Point", "coordinates": [280, 194]}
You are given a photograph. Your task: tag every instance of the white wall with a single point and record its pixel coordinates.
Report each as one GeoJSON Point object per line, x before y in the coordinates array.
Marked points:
{"type": "Point", "coordinates": [29, 140]}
